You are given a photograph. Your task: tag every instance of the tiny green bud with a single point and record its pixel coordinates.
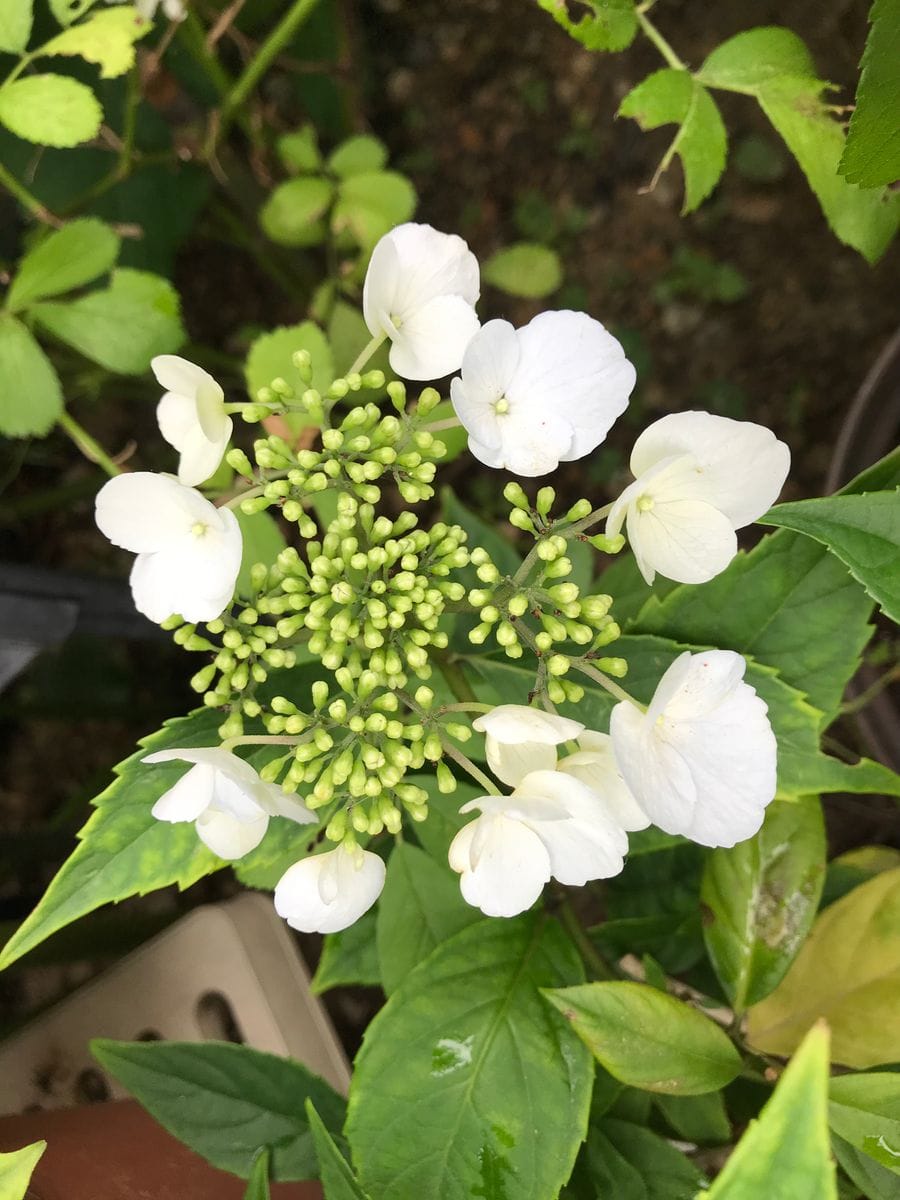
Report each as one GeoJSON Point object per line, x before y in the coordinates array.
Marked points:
{"type": "Point", "coordinates": [544, 501]}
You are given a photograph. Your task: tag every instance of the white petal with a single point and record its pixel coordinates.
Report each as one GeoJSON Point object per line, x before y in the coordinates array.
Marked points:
{"type": "Point", "coordinates": [504, 865]}
{"type": "Point", "coordinates": [432, 340]}
{"type": "Point", "coordinates": [685, 540]}
{"type": "Point", "coordinates": [412, 265]}
{"type": "Point", "coordinates": [512, 763]}
{"type": "Point", "coordinates": [488, 367]}
{"type": "Point", "coordinates": [696, 685]}
{"type": "Point", "coordinates": [176, 416]}
{"type": "Point", "coordinates": [579, 371]}
{"type": "Point", "coordinates": [209, 756]}
{"type": "Point", "coordinates": [200, 457]}
{"type": "Point", "coordinates": [517, 723]}
{"type": "Point", "coordinates": [595, 766]}
{"type": "Point", "coordinates": [176, 374]}
{"type": "Point", "coordinates": [145, 512]}
{"type": "Point", "coordinates": [189, 797]}
{"type": "Point", "coordinates": [743, 465]}
{"type": "Point", "coordinates": [654, 771]}
{"type": "Point", "coordinates": [228, 836]}
{"type": "Point", "coordinates": [534, 439]}
{"type": "Point", "coordinates": [278, 803]}
{"type": "Point", "coordinates": [298, 898]}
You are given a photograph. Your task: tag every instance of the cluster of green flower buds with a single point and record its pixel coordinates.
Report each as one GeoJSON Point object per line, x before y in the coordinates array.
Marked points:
{"type": "Point", "coordinates": [541, 607]}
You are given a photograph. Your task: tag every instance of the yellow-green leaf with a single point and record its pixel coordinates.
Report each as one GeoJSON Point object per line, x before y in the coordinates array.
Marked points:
{"type": "Point", "coordinates": [847, 971]}
{"type": "Point", "coordinates": [51, 110]}
{"type": "Point", "coordinates": [16, 1169]}
{"type": "Point", "coordinates": [107, 39]}
{"type": "Point", "coordinates": [15, 25]}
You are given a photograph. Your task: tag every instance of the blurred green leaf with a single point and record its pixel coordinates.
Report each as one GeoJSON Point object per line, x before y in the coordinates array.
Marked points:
{"type": "Point", "coordinates": [700, 1119]}
{"type": "Point", "coordinates": [30, 392]}
{"type": "Point", "coordinates": [874, 1181]}
{"type": "Point", "coordinates": [67, 11]}
{"type": "Point", "coordinates": [16, 1169]}
{"type": "Point", "coordinates": [865, 1111]}
{"type": "Point", "coordinates": [525, 269]}
{"type": "Point", "coordinates": [262, 542]}
{"type": "Point", "coordinates": [358, 154]}
{"type": "Point", "coordinates": [854, 867]}
{"type": "Point", "coordinates": [15, 25]}
{"type": "Point", "coordinates": [338, 1181]}
{"type": "Point", "coordinates": [675, 97]}
{"type": "Point", "coordinates": [700, 278]}
{"type": "Point", "coordinates": [761, 898]}
{"type": "Point", "coordinates": [300, 151]}
{"type": "Point", "coordinates": [292, 215]}
{"type": "Point", "coordinates": [51, 110]}
{"type": "Point", "coordinates": [66, 259]}
{"type": "Point", "coordinates": [785, 1154]}
{"type": "Point", "coordinates": [371, 203]}
{"type": "Point", "coordinates": [648, 1039]}
{"type": "Point", "coordinates": [847, 971]}
{"type": "Point", "coordinates": [601, 24]}
{"type": "Point", "coordinates": [121, 327]}
{"type": "Point", "coordinates": [107, 38]}
{"type": "Point", "coordinates": [226, 1101]}
{"type": "Point", "coordinates": [348, 334]}
{"type": "Point", "coordinates": [258, 1182]}
{"type": "Point", "coordinates": [872, 154]}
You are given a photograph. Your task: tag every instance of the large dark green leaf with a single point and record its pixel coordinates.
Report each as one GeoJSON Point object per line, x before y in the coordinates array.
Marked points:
{"type": "Point", "coordinates": [227, 1102]}
{"type": "Point", "coordinates": [349, 957]}
{"type": "Point", "coordinates": [872, 154]}
{"type": "Point", "coordinates": [761, 897]}
{"type": "Point", "coordinates": [420, 907]}
{"type": "Point", "coordinates": [647, 1038]}
{"type": "Point", "coordinates": [467, 1081]}
{"type": "Point", "coordinates": [123, 850]}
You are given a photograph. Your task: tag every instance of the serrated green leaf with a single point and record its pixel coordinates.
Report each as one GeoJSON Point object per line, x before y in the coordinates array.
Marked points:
{"type": "Point", "coordinates": [525, 269]}
{"type": "Point", "coordinates": [30, 392]}
{"type": "Point", "coordinates": [338, 1181]}
{"type": "Point", "coordinates": [293, 213]}
{"type": "Point", "coordinates": [761, 898]}
{"type": "Point", "coordinates": [16, 1169]}
{"type": "Point", "coordinates": [15, 25]}
{"type": "Point", "coordinates": [258, 1181]}
{"type": "Point", "coordinates": [66, 259]}
{"type": "Point", "coordinates": [226, 1101]}
{"type": "Point", "coordinates": [371, 203]}
{"type": "Point", "coordinates": [107, 39]}
{"type": "Point", "coordinates": [788, 603]}
{"type": "Point", "coordinates": [756, 57]}
{"type": "Point", "coordinates": [871, 156]}
{"type": "Point", "coordinates": [300, 151]}
{"type": "Point", "coordinates": [670, 97]}
{"type": "Point", "coordinates": [847, 971]}
{"type": "Point", "coordinates": [469, 1031]}
{"type": "Point", "coordinates": [51, 110]}
{"type": "Point", "coordinates": [123, 850]}
{"type": "Point", "coordinates": [121, 327]}
{"type": "Point", "coordinates": [262, 542]}
{"type": "Point", "coordinates": [606, 25]}
{"type": "Point", "coordinates": [785, 1154]}
{"type": "Point", "coordinates": [648, 1039]}
{"type": "Point", "coordinates": [773, 65]}
{"type": "Point", "coordinates": [358, 154]}
{"type": "Point", "coordinates": [865, 1111]}
{"type": "Point", "coordinates": [349, 958]}
{"type": "Point", "coordinates": [862, 531]}
{"type": "Point", "coordinates": [420, 907]}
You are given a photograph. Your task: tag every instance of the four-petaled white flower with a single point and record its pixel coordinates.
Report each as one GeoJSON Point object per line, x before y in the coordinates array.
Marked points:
{"type": "Point", "coordinates": [420, 291]}
{"type": "Point", "coordinates": [699, 478]}
{"type": "Point", "coordinates": [191, 416]}
{"type": "Point", "coordinates": [551, 826]}
{"type": "Point", "coordinates": [225, 798]}
{"type": "Point", "coordinates": [188, 551]}
{"type": "Point", "coordinates": [175, 10]}
{"type": "Point", "coordinates": [548, 393]}
{"type": "Point", "coordinates": [701, 761]}
{"type": "Point", "coordinates": [327, 892]}
{"type": "Point", "coordinates": [520, 739]}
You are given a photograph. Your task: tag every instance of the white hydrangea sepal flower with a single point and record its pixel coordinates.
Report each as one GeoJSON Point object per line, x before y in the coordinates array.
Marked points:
{"type": "Point", "coordinates": [594, 764]}
{"type": "Point", "coordinates": [548, 393]}
{"type": "Point", "coordinates": [420, 292]}
{"type": "Point", "coordinates": [520, 739]}
{"type": "Point", "coordinates": [191, 417]}
{"type": "Point", "coordinates": [552, 826]}
{"type": "Point", "coordinates": [328, 892]}
{"type": "Point", "coordinates": [701, 761]}
{"type": "Point", "coordinates": [225, 798]}
{"type": "Point", "coordinates": [188, 551]}
{"type": "Point", "coordinates": [698, 479]}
